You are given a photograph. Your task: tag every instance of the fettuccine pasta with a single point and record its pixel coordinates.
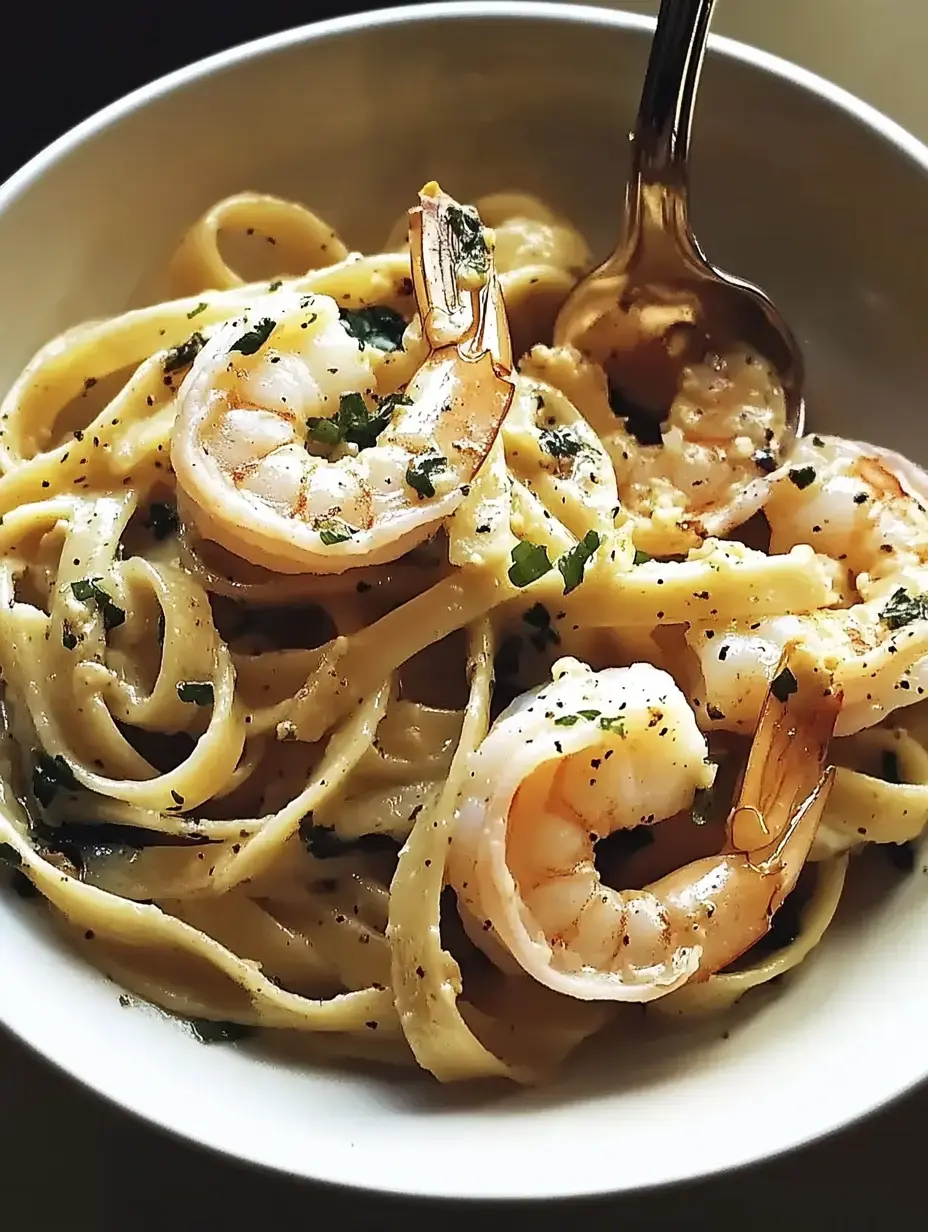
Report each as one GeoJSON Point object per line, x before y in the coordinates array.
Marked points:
{"type": "Point", "coordinates": [290, 565]}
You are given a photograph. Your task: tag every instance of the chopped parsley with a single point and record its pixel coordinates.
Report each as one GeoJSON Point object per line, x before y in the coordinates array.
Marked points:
{"type": "Point", "coordinates": [48, 775]}
{"type": "Point", "coordinates": [802, 476]}
{"type": "Point", "coordinates": [902, 608]}
{"type": "Point", "coordinates": [196, 692]}
{"type": "Point", "coordinates": [113, 616]}
{"type": "Point", "coordinates": [641, 558]}
{"type": "Point", "coordinates": [323, 843]}
{"type": "Point", "coordinates": [325, 431]}
{"type": "Point", "coordinates": [540, 620]}
{"type": "Point", "coordinates": [275, 285]}
{"type": "Point", "coordinates": [572, 564]}
{"type": "Point", "coordinates": [529, 563]}
{"type": "Point", "coordinates": [254, 339]}
{"type": "Point", "coordinates": [195, 312]}
{"type": "Point", "coordinates": [610, 723]}
{"type": "Point", "coordinates": [784, 685]}
{"type": "Point", "coordinates": [357, 423]}
{"type": "Point", "coordinates": [419, 473]}
{"type": "Point", "coordinates": [88, 590]}
{"type": "Point", "coordinates": [209, 1031]}
{"type": "Point", "coordinates": [467, 231]}
{"type": "Point", "coordinates": [162, 519]}
{"type": "Point", "coordinates": [560, 442]}
{"type": "Point", "coordinates": [378, 326]}
{"type": "Point", "coordinates": [182, 356]}
{"type": "Point", "coordinates": [69, 638]}
{"type": "Point", "coordinates": [354, 422]}
{"type": "Point", "coordinates": [334, 530]}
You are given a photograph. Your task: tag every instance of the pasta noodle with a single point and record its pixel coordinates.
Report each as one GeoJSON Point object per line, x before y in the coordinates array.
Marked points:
{"type": "Point", "coordinates": [235, 780]}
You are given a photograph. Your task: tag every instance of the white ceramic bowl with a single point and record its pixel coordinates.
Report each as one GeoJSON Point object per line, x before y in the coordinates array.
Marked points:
{"type": "Point", "coordinates": [797, 186]}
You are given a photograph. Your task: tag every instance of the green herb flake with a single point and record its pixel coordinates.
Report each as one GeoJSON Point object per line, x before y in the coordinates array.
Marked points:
{"type": "Point", "coordinates": [784, 685]}
{"type": "Point", "coordinates": [573, 563]}
{"type": "Point", "coordinates": [196, 692]}
{"type": "Point", "coordinates": [162, 519]}
{"type": "Point", "coordinates": [69, 638]}
{"type": "Point", "coordinates": [334, 530]}
{"type": "Point", "coordinates": [641, 558]}
{"type": "Point", "coordinates": [560, 442]}
{"type": "Point", "coordinates": [195, 312]}
{"type": "Point", "coordinates": [355, 422]}
{"type": "Point", "coordinates": [207, 1031]}
{"type": "Point", "coordinates": [358, 425]}
{"type": "Point", "coordinates": [613, 723]}
{"type": "Point", "coordinates": [419, 474]}
{"type": "Point", "coordinates": [182, 356]}
{"type": "Point", "coordinates": [254, 339]}
{"type": "Point", "coordinates": [88, 590]}
{"type": "Point", "coordinates": [567, 720]}
{"type": "Point", "coordinates": [377, 326]}
{"type": "Point", "coordinates": [48, 775]}
{"type": "Point", "coordinates": [275, 285]}
{"type": "Point", "coordinates": [589, 714]}
{"type": "Point", "coordinates": [902, 608]}
{"type": "Point", "coordinates": [113, 616]}
{"type": "Point", "coordinates": [470, 241]}
{"type": "Point", "coordinates": [802, 476]}
{"type": "Point", "coordinates": [325, 431]}
{"type": "Point", "coordinates": [530, 562]}
{"type": "Point", "coordinates": [10, 856]}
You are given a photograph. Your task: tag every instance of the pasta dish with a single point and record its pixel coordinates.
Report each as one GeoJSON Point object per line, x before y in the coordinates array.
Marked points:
{"type": "Point", "coordinates": [379, 676]}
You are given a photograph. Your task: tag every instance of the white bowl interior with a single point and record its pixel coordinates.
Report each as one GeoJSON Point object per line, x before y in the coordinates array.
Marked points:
{"type": "Point", "coordinates": [791, 189]}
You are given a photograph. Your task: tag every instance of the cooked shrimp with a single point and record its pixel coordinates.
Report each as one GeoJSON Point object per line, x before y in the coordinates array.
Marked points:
{"type": "Point", "coordinates": [865, 507]}
{"type": "Point", "coordinates": [704, 468]}
{"type": "Point", "coordinates": [594, 752]}
{"type": "Point", "coordinates": [286, 455]}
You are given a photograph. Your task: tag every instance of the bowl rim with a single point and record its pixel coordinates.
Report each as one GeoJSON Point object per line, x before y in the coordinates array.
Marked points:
{"type": "Point", "coordinates": [555, 12]}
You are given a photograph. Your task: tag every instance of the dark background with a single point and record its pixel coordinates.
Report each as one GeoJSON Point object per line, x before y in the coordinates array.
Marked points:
{"type": "Point", "coordinates": [69, 1161]}
{"type": "Point", "coordinates": [62, 60]}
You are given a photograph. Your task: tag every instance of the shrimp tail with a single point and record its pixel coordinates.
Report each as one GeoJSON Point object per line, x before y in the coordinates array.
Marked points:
{"type": "Point", "coordinates": [791, 853]}
{"type": "Point", "coordinates": [786, 762]}
{"type": "Point", "coordinates": [773, 823]}
{"type": "Point", "coordinates": [455, 278]}
{"type": "Point", "coordinates": [466, 384]}
{"type": "Point", "coordinates": [780, 802]}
